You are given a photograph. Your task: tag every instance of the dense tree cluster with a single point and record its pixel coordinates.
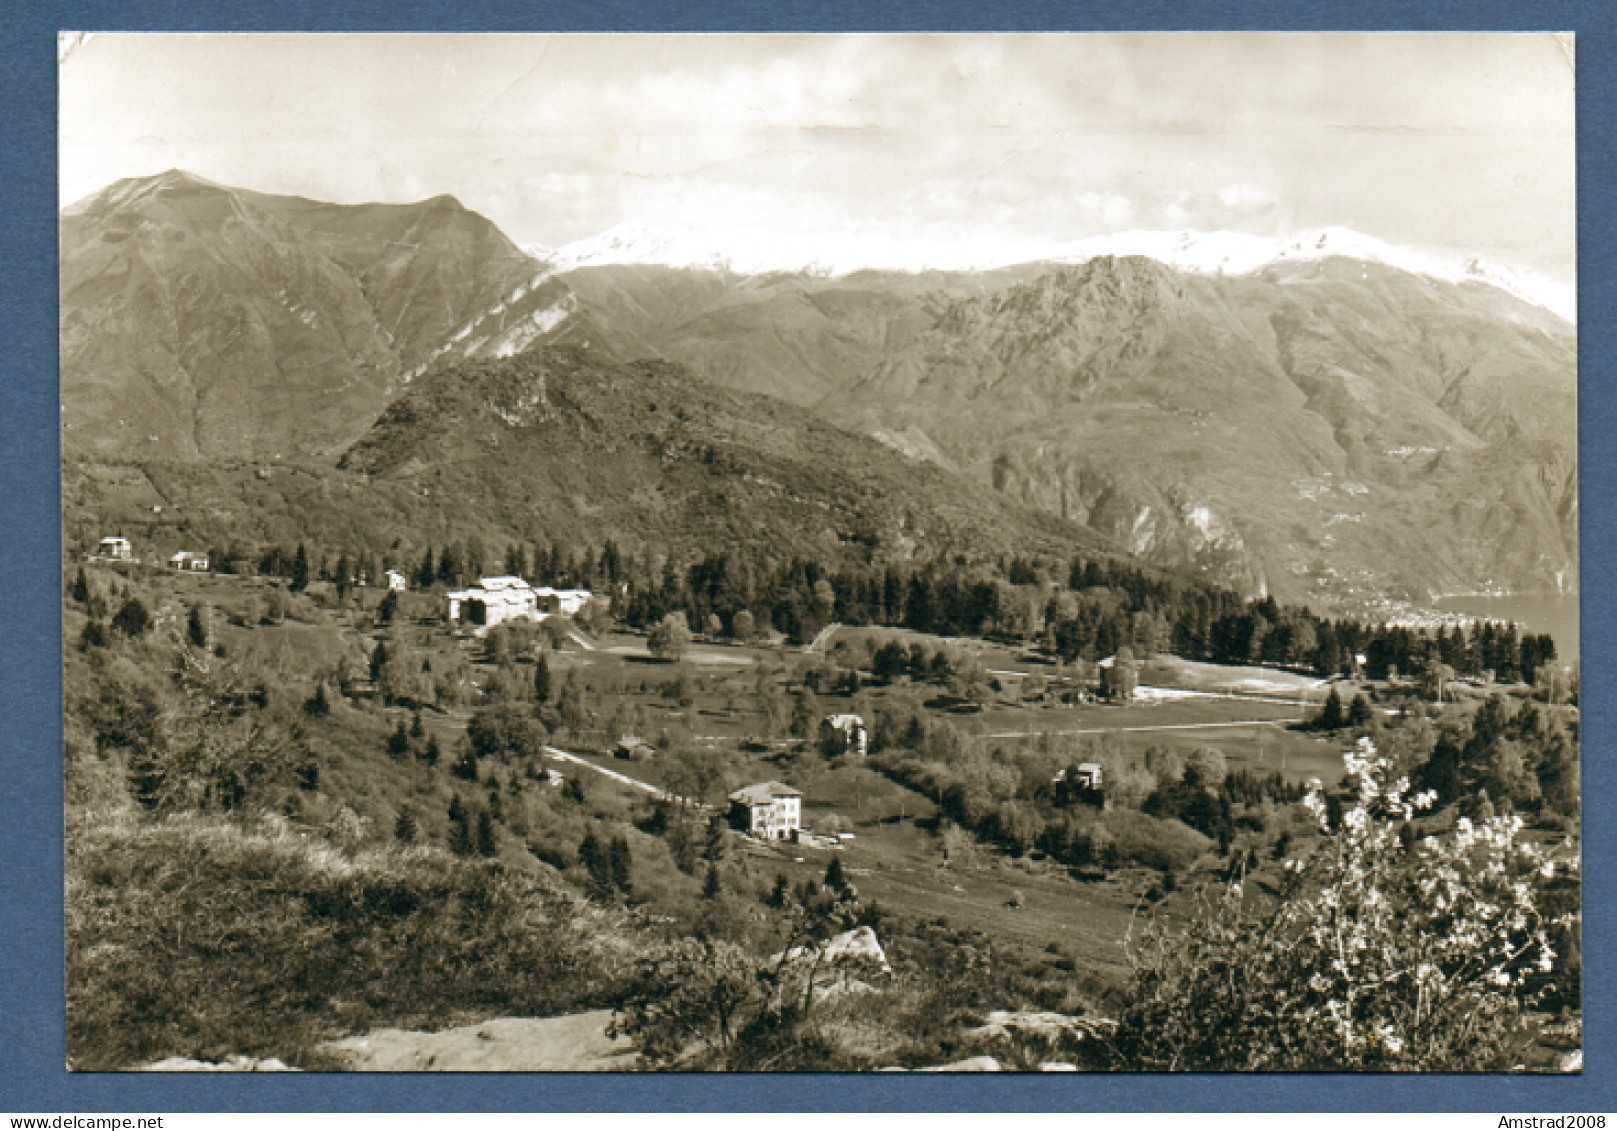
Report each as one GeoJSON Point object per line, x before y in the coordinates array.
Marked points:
{"type": "Point", "coordinates": [1086, 608]}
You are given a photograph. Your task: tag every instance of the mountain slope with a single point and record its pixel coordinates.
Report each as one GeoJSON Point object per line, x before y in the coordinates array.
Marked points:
{"type": "Point", "coordinates": [1330, 418]}
{"type": "Point", "coordinates": [567, 439]}
{"type": "Point", "coordinates": [1324, 427]}
{"type": "Point", "coordinates": [199, 321]}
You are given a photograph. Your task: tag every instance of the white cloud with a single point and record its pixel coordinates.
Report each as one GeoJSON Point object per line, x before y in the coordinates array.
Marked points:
{"type": "Point", "coordinates": [1458, 140]}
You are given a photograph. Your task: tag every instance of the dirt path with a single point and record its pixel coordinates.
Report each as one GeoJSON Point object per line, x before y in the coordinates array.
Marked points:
{"type": "Point", "coordinates": [623, 779]}
{"type": "Point", "coordinates": [575, 1043]}
{"type": "Point", "coordinates": [822, 638]}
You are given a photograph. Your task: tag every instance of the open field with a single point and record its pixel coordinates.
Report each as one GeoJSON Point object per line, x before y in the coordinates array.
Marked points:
{"type": "Point", "coordinates": [895, 856]}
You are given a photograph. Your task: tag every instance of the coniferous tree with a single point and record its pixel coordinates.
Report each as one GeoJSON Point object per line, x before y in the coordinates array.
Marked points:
{"type": "Point", "coordinates": [404, 828]}
{"type": "Point", "coordinates": [132, 619]}
{"type": "Point", "coordinates": [147, 775]}
{"type": "Point", "coordinates": [781, 892]}
{"type": "Point", "coordinates": [460, 828]}
{"type": "Point", "coordinates": [487, 845]}
{"type": "Point", "coordinates": [81, 588]}
{"type": "Point", "coordinates": [805, 714]}
{"type": "Point", "coordinates": [431, 753]}
{"type": "Point", "coordinates": [465, 767]}
{"type": "Point", "coordinates": [300, 570]}
{"type": "Point", "coordinates": [416, 729]}
{"type": "Point", "coordinates": [598, 861]}
{"type": "Point", "coordinates": [1359, 713]}
{"type": "Point", "coordinates": [318, 705]}
{"type": "Point", "coordinates": [1330, 715]}
{"type": "Point", "coordinates": [541, 680]}
{"type": "Point", "coordinates": [712, 886]}
{"type": "Point", "coordinates": [834, 879]}
{"type": "Point", "coordinates": [95, 635]}
{"type": "Point", "coordinates": [449, 565]}
{"type": "Point", "coordinates": [196, 629]}
{"type": "Point", "coordinates": [398, 744]}
{"type": "Point", "coordinates": [622, 865]}
{"type": "Point", "coordinates": [718, 838]}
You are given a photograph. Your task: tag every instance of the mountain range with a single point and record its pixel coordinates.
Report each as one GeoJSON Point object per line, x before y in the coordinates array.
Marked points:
{"type": "Point", "coordinates": [1331, 418]}
{"type": "Point", "coordinates": [834, 254]}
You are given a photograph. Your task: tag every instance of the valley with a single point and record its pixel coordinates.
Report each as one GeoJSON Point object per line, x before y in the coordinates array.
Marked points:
{"type": "Point", "coordinates": [777, 669]}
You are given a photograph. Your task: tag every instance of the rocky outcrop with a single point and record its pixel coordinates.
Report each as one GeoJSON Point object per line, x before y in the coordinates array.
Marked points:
{"type": "Point", "coordinates": [1052, 1028]}
{"type": "Point", "coordinates": [843, 964]}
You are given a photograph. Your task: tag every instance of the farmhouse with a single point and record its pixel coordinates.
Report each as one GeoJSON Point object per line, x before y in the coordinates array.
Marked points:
{"type": "Point", "coordinates": [396, 581]}
{"type": "Point", "coordinates": [848, 731]}
{"type": "Point", "coordinates": [769, 809]}
{"type": "Point", "coordinates": [189, 561]}
{"type": "Point", "coordinates": [114, 549]}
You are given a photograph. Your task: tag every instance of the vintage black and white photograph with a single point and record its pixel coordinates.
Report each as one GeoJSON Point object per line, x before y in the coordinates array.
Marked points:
{"type": "Point", "coordinates": [820, 552]}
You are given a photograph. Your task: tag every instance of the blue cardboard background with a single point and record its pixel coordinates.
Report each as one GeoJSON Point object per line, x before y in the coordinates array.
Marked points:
{"type": "Point", "coordinates": [32, 1075]}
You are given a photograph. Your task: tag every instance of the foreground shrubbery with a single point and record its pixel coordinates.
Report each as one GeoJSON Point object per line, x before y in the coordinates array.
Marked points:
{"type": "Point", "coordinates": [204, 937]}
{"type": "Point", "coordinates": [1381, 953]}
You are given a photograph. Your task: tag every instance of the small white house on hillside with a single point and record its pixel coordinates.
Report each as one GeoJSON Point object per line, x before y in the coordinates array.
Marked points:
{"type": "Point", "coordinates": [189, 561]}
{"type": "Point", "coordinates": [114, 549]}
{"type": "Point", "coordinates": [1086, 775]}
{"type": "Point", "coordinates": [849, 731]}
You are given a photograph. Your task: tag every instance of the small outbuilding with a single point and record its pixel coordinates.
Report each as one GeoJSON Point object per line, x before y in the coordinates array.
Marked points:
{"type": "Point", "coordinates": [633, 748]}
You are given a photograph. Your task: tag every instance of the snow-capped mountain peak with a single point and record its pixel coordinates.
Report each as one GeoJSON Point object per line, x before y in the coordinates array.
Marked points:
{"type": "Point", "coordinates": [832, 254]}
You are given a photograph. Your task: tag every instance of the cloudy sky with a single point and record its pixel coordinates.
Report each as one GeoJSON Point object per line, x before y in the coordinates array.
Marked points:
{"type": "Point", "coordinates": [1453, 144]}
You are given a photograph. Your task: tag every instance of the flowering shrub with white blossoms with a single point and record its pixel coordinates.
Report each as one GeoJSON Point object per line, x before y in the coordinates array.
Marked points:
{"type": "Point", "coordinates": [1373, 955]}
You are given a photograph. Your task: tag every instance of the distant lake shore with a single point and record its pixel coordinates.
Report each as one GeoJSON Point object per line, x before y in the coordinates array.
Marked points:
{"type": "Point", "coordinates": [1554, 614]}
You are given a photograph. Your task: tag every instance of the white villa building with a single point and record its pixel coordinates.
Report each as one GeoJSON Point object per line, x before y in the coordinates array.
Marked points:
{"type": "Point", "coordinates": [498, 600]}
